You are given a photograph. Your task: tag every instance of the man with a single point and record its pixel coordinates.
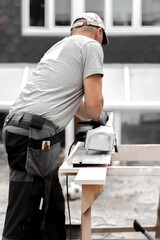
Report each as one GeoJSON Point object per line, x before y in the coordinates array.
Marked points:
{"type": "Point", "coordinates": [69, 70]}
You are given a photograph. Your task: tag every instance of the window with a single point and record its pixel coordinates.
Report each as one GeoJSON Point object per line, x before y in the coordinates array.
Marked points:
{"type": "Point", "coordinates": [140, 127]}
{"type": "Point", "coordinates": [48, 17]}
{"type": "Point", "coordinates": [151, 13]}
{"type": "Point", "coordinates": [95, 6]}
{"type": "Point", "coordinates": [36, 13]}
{"type": "Point", "coordinates": [121, 17]}
{"type": "Point", "coordinates": [63, 13]}
{"type": "Point", "coordinates": [131, 91]}
{"type": "Point", "coordinates": [122, 12]}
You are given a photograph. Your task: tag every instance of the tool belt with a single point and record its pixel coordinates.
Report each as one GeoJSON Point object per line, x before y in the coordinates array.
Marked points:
{"type": "Point", "coordinates": [42, 144]}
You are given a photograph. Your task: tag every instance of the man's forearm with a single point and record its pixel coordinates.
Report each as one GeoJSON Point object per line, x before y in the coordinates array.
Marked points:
{"type": "Point", "coordinates": [90, 112]}
{"type": "Point", "coordinates": [81, 113]}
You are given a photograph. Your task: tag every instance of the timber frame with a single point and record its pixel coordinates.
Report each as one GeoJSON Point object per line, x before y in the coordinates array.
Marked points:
{"type": "Point", "coordinates": [129, 153]}
{"type": "Point", "coordinates": [126, 153]}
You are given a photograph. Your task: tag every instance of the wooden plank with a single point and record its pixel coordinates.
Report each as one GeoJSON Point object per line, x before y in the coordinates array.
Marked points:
{"type": "Point", "coordinates": [125, 238]}
{"type": "Point", "coordinates": [119, 229]}
{"type": "Point", "coordinates": [89, 194]}
{"type": "Point", "coordinates": [86, 225]}
{"type": "Point", "coordinates": [83, 155]}
{"type": "Point", "coordinates": [94, 176]}
{"type": "Point", "coordinates": [67, 169]}
{"type": "Point", "coordinates": [147, 152]}
{"type": "Point", "coordinates": [133, 171]}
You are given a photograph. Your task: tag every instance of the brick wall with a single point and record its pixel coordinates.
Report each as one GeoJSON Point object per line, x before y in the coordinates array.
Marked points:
{"type": "Point", "coordinates": [16, 48]}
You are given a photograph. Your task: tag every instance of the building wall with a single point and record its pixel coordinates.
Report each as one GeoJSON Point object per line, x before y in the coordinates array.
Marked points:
{"type": "Point", "coordinates": [16, 48]}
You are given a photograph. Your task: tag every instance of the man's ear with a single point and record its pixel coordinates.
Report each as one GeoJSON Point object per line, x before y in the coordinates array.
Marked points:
{"type": "Point", "coordinates": [100, 30]}
{"type": "Point", "coordinates": [97, 33]}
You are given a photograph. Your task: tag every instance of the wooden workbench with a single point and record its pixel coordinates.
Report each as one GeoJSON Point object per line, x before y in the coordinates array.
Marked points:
{"type": "Point", "coordinates": [92, 179]}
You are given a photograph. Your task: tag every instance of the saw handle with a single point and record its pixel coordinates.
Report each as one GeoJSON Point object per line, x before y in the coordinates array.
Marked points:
{"type": "Point", "coordinates": [81, 133]}
{"type": "Point", "coordinates": [101, 122]}
{"type": "Point", "coordinates": [85, 122]}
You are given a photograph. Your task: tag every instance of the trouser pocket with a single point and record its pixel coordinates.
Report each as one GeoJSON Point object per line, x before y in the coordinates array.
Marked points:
{"type": "Point", "coordinates": [16, 147]}
{"type": "Point", "coordinates": [42, 154]}
{"type": "Point", "coordinates": [42, 163]}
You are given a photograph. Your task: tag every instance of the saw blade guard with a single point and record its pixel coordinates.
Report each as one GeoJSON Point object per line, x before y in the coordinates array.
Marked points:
{"type": "Point", "coordinates": [100, 139]}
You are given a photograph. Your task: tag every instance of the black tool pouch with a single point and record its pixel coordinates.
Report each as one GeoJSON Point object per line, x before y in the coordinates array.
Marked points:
{"type": "Point", "coordinates": [43, 150]}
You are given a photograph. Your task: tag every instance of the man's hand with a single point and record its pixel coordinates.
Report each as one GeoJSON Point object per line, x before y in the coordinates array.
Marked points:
{"type": "Point", "coordinates": [102, 121]}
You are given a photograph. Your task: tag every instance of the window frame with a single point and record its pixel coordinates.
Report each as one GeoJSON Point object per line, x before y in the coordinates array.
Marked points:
{"type": "Point", "coordinates": [78, 7]}
{"type": "Point", "coordinates": [49, 28]}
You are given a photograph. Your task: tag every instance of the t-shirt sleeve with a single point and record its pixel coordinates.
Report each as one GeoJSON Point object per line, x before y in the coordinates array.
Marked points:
{"type": "Point", "coordinates": [92, 53]}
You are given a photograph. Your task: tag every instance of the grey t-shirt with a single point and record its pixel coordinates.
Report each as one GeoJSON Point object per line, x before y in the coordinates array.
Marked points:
{"type": "Point", "coordinates": [55, 89]}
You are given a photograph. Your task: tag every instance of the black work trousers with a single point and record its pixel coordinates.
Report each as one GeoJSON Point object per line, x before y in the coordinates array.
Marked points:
{"type": "Point", "coordinates": [31, 214]}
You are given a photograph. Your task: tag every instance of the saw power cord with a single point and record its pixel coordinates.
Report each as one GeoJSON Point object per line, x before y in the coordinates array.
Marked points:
{"type": "Point", "coordinates": [69, 151]}
{"type": "Point", "coordinates": [68, 206]}
{"type": "Point", "coordinates": [69, 213]}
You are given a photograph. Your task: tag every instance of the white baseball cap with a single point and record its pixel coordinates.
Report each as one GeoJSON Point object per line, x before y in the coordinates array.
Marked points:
{"type": "Point", "coordinates": [92, 19]}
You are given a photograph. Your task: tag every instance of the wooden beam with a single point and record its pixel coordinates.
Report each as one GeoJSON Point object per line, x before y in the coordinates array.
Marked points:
{"type": "Point", "coordinates": [86, 224]}
{"type": "Point", "coordinates": [147, 152]}
{"type": "Point", "coordinates": [118, 170]}
{"type": "Point", "coordinates": [119, 229]}
{"type": "Point", "coordinates": [133, 171]}
{"type": "Point", "coordinates": [93, 176]}
{"type": "Point", "coordinates": [125, 238]}
{"type": "Point", "coordinates": [89, 194]}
